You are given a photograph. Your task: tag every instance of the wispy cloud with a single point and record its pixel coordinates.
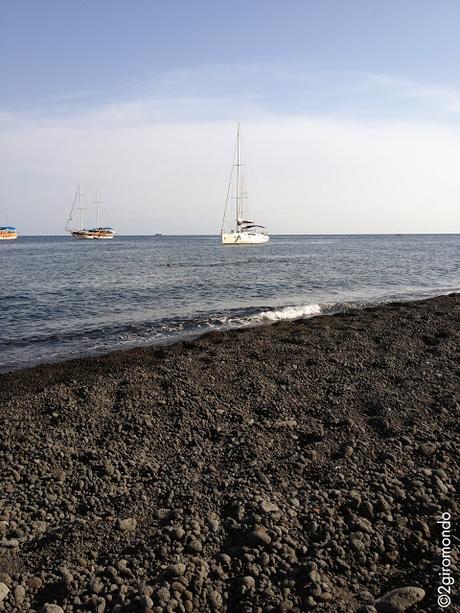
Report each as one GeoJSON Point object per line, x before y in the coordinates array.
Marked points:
{"type": "Point", "coordinates": [211, 91]}
{"type": "Point", "coordinates": [309, 174]}
{"type": "Point", "coordinates": [443, 96]}
{"type": "Point", "coordinates": [333, 157]}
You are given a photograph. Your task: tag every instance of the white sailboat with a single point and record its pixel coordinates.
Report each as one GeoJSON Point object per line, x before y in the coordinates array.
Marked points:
{"type": "Point", "coordinates": [97, 233]}
{"type": "Point", "coordinates": [245, 232]}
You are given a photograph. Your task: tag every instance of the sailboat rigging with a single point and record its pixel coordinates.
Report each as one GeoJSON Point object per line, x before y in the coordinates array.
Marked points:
{"type": "Point", "coordinates": [97, 233]}
{"type": "Point", "coordinates": [245, 232]}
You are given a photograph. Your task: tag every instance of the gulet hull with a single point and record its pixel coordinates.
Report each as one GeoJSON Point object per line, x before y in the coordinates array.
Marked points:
{"type": "Point", "coordinates": [92, 237]}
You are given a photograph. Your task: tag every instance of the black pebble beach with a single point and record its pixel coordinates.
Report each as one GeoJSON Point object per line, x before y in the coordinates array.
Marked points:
{"type": "Point", "coordinates": [294, 467]}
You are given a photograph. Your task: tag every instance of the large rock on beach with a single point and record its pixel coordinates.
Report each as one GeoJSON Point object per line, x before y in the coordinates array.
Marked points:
{"type": "Point", "coordinates": [399, 599]}
{"type": "Point", "coordinates": [4, 591]}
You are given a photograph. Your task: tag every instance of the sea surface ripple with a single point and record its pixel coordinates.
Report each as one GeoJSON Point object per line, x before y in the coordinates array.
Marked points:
{"type": "Point", "coordinates": [63, 298]}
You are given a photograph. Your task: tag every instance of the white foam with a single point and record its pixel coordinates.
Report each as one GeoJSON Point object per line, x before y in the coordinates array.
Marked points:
{"type": "Point", "coordinates": [288, 312]}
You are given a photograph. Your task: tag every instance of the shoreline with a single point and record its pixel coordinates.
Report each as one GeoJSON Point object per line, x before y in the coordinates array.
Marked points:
{"type": "Point", "coordinates": [259, 318]}
{"type": "Point", "coordinates": [291, 466]}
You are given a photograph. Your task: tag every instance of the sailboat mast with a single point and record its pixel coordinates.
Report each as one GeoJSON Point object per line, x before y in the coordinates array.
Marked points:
{"type": "Point", "coordinates": [80, 197]}
{"type": "Point", "coordinates": [238, 216]}
{"type": "Point", "coordinates": [80, 208]}
{"type": "Point", "coordinates": [97, 203]}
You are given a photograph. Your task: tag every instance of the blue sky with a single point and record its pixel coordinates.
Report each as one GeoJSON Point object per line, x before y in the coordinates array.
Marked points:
{"type": "Point", "coordinates": [85, 52]}
{"type": "Point", "coordinates": [114, 76]}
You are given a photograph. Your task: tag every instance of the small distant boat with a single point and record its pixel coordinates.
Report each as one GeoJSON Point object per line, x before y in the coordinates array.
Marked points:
{"type": "Point", "coordinates": [245, 232]}
{"type": "Point", "coordinates": [97, 233]}
{"type": "Point", "coordinates": [8, 233]}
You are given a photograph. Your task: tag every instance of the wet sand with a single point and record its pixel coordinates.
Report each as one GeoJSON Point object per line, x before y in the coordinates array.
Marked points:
{"type": "Point", "coordinates": [294, 467]}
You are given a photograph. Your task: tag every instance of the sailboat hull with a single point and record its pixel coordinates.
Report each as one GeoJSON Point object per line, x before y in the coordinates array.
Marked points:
{"type": "Point", "coordinates": [243, 238]}
{"type": "Point", "coordinates": [92, 235]}
{"type": "Point", "coordinates": [82, 236]}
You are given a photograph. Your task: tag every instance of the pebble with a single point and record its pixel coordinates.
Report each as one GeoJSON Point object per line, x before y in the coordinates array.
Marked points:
{"type": "Point", "coordinates": [254, 487]}
{"type": "Point", "coordinates": [34, 583]}
{"type": "Point", "coordinates": [3, 527]}
{"type": "Point", "coordinates": [314, 576]}
{"type": "Point", "coordinates": [127, 525]}
{"type": "Point", "coordinates": [4, 590]}
{"type": "Point", "coordinates": [213, 524]}
{"type": "Point", "coordinates": [178, 533]}
{"type": "Point", "coordinates": [19, 594]}
{"type": "Point", "coordinates": [39, 526]}
{"type": "Point", "coordinates": [268, 507]}
{"type": "Point", "coordinates": [260, 536]}
{"type": "Point", "coordinates": [176, 570]}
{"type": "Point", "coordinates": [195, 546]}
{"type": "Point", "coordinates": [163, 594]}
{"type": "Point", "coordinates": [215, 599]}
{"type": "Point", "coordinates": [52, 608]}
{"type": "Point", "coordinates": [399, 599]}
{"type": "Point", "coordinates": [9, 543]}
{"type": "Point", "coordinates": [248, 582]}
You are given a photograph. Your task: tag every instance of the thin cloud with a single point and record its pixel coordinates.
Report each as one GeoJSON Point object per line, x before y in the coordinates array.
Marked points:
{"type": "Point", "coordinates": [443, 96]}
{"type": "Point", "coordinates": [162, 155]}
{"type": "Point", "coordinates": [308, 174]}
{"type": "Point", "coordinates": [215, 91]}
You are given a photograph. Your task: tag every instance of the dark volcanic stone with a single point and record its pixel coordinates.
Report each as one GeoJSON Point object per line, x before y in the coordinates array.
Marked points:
{"type": "Point", "coordinates": [285, 468]}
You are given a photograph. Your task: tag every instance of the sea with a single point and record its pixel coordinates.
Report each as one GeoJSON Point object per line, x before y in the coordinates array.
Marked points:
{"type": "Point", "coordinates": [61, 298]}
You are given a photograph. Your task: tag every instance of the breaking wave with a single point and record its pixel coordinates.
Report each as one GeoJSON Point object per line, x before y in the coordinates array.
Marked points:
{"type": "Point", "coordinates": [287, 313]}
{"type": "Point", "coordinates": [180, 288]}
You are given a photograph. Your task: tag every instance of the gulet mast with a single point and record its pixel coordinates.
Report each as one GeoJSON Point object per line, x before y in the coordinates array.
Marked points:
{"type": "Point", "coordinates": [80, 208]}
{"type": "Point", "coordinates": [238, 215]}
{"type": "Point", "coordinates": [98, 202]}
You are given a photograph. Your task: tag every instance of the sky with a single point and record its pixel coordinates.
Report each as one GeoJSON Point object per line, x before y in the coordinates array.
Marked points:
{"type": "Point", "coordinates": [350, 113]}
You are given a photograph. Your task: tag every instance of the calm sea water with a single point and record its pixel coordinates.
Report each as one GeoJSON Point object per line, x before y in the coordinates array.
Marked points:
{"type": "Point", "coordinates": [62, 298]}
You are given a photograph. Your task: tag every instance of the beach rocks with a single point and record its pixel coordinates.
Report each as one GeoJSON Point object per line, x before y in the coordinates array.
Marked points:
{"type": "Point", "coordinates": [176, 570]}
{"type": "Point", "coordinates": [268, 507]}
{"type": "Point", "coordinates": [259, 537]}
{"type": "Point", "coordinates": [215, 477]}
{"type": "Point", "coordinates": [127, 525]}
{"type": "Point", "coordinates": [52, 608]}
{"type": "Point", "coordinates": [34, 583]}
{"type": "Point", "coordinates": [399, 599]}
{"type": "Point", "coordinates": [4, 591]}
{"type": "Point", "coordinates": [19, 594]}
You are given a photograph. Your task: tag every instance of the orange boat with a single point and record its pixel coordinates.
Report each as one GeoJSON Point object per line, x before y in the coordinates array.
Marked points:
{"type": "Point", "coordinates": [7, 233]}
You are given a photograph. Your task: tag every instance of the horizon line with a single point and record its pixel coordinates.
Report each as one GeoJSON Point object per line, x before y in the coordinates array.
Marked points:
{"type": "Point", "coordinates": [161, 235]}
